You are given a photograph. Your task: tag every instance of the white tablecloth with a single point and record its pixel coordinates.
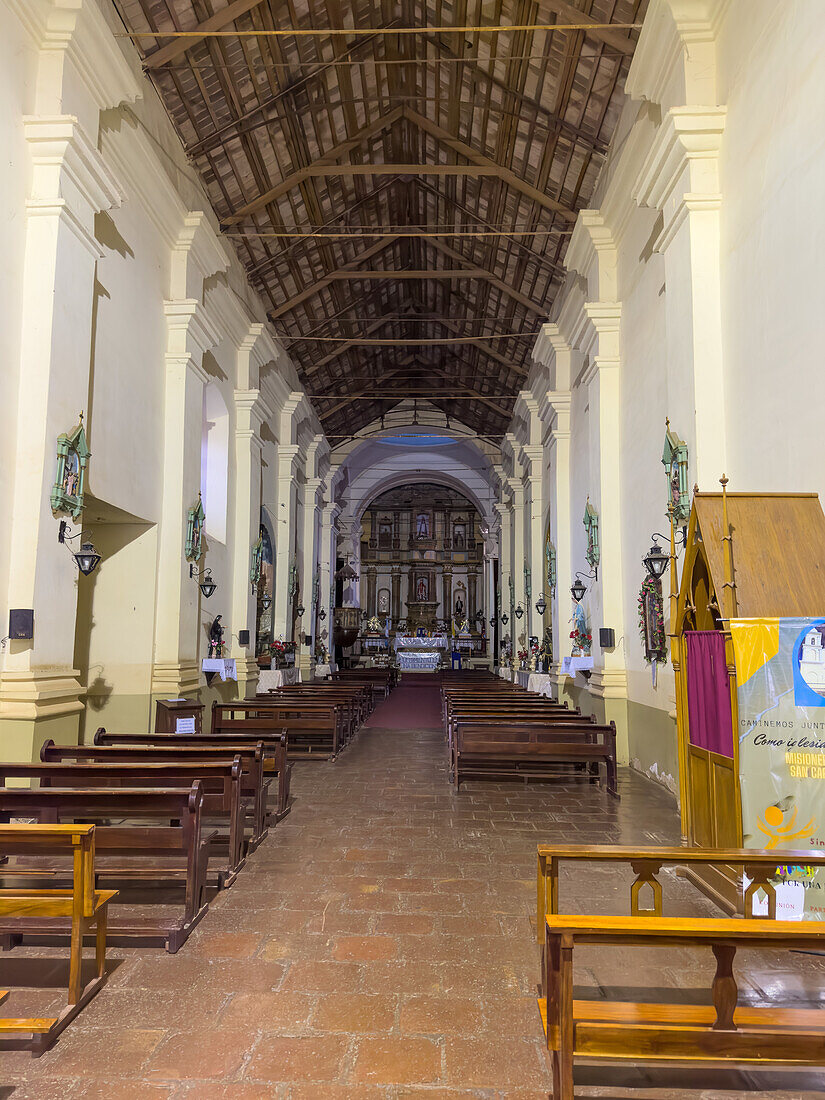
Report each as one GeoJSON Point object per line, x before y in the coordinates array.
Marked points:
{"type": "Point", "coordinates": [534, 681]}
{"type": "Point", "coordinates": [429, 661]}
{"type": "Point", "coordinates": [272, 678]}
{"type": "Point", "coordinates": [505, 672]}
{"type": "Point", "coordinates": [571, 665]}
{"type": "Point", "coordinates": [325, 670]}
{"type": "Point", "coordinates": [408, 641]}
{"type": "Point", "coordinates": [224, 666]}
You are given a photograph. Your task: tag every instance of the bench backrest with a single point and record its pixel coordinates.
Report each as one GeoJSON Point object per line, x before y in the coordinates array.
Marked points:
{"type": "Point", "coordinates": [50, 840]}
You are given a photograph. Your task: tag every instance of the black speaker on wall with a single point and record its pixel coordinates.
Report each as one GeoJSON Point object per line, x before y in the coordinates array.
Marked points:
{"type": "Point", "coordinates": [607, 637]}
{"type": "Point", "coordinates": [243, 637]}
{"type": "Point", "coordinates": [21, 623]}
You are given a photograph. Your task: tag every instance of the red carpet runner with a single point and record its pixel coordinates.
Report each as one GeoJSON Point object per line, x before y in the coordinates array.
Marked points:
{"type": "Point", "coordinates": [414, 705]}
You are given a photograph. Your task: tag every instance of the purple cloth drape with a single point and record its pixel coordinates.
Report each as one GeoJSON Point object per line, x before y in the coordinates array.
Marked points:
{"type": "Point", "coordinates": [708, 692]}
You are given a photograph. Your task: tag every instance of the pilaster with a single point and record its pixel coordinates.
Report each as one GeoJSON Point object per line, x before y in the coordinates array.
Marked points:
{"type": "Point", "coordinates": [250, 413]}
{"type": "Point", "coordinates": [288, 465]}
{"type": "Point", "coordinates": [70, 184]}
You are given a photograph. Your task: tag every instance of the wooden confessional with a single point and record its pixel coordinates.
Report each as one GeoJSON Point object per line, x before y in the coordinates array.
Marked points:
{"type": "Point", "coordinates": [748, 555]}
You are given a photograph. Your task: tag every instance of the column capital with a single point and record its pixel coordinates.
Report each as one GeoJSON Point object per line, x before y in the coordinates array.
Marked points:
{"type": "Point", "coordinates": [289, 461]}
{"type": "Point", "coordinates": [251, 410]}
{"type": "Point", "coordinates": [681, 171]}
{"type": "Point", "coordinates": [188, 329]}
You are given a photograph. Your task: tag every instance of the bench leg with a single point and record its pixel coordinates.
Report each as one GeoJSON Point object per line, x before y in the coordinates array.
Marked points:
{"type": "Point", "coordinates": [100, 940]}
{"type": "Point", "coordinates": [725, 991]}
{"type": "Point", "coordinates": [76, 959]}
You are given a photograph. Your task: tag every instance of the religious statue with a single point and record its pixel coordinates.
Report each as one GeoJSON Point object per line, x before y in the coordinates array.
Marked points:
{"type": "Point", "coordinates": [216, 638]}
{"type": "Point", "coordinates": [422, 527]}
{"type": "Point", "coordinates": [421, 589]}
{"type": "Point", "coordinates": [459, 608]}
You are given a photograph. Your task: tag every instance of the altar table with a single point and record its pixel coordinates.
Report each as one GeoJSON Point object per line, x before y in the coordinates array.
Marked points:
{"type": "Point", "coordinates": [419, 661]}
{"type": "Point", "coordinates": [411, 641]}
{"type": "Point", "coordinates": [272, 678]}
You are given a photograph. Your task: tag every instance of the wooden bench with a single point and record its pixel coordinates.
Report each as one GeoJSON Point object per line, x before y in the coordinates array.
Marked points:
{"type": "Point", "coordinates": [80, 910]}
{"type": "Point", "coordinates": [679, 1033]}
{"type": "Point", "coordinates": [354, 702]}
{"type": "Point", "coordinates": [157, 851]}
{"type": "Point", "coordinates": [534, 751]}
{"type": "Point", "coordinates": [220, 782]}
{"type": "Point", "coordinates": [259, 759]}
{"type": "Point", "coordinates": [759, 865]}
{"type": "Point", "coordinates": [316, 735]}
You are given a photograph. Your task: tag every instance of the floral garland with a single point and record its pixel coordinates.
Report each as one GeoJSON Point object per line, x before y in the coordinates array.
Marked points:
{"type": "Point", "coordinates": [652, 587]}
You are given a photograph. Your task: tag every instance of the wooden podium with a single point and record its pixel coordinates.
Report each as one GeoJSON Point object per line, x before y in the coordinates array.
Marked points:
{"type": "Point", "coordinates": [169, 712]}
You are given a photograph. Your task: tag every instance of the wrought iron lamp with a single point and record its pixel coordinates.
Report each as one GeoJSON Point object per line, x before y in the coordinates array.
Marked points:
{"type": "Point", "coordinates": [578, 589]}
{"type": "Point", "coordinates": [86, 558]}
{"type": "Point", "coordinates": [299, 610]}
{"type": "Point", "coordinates": [656, 560]}
{"type": "Point", "coordinates": [541, 604]}
{"type": "Point", "coordinates": [205, 583]}
{"type": "Point", "coordinates": [266, 601]}
{"type": "Point", "coordinates": [519, 611]}
{"type": "Point", "coordinates": [505, 619]}
{"type": "Point", "coordinates": [322, 614]}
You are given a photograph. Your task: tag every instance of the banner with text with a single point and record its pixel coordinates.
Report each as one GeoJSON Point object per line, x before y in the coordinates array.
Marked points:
{"type": "Point", "coordinates": [780, 674]}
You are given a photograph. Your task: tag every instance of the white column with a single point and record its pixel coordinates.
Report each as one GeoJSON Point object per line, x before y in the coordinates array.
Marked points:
{"type": "Point", "coordinates": [288, 464]}
{"type": "Point", "coordinates": [534, 454]}
{"type": "Point", "coordinates": [517, 563]}
{"type": "Point", "coordinates": [69, 184]}
{"type": "Point", "coordinates": [505, 563]}
{"type": "Point", "coordinates": [329, 542]}
{"type": "Point", "coordinates": [560, 522]}
{"type": "Point", "coordinates": [250, 413]}
{"type": "Point", "coordinates": [309, 565]}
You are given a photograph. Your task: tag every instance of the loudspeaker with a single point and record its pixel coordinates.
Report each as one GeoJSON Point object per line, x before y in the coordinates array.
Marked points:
{"type": "Point", "coordinates": [607, 637]}
{"type": "Point", "coordinates": [243, 637]}
{"type": "Point", "coordinates": [307, 639]}
{"type": "Point", "coordinates": [21, 623]}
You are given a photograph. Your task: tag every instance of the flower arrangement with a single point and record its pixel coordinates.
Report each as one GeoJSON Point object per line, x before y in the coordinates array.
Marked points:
{"type": "Point", "coordinates": [651, 621]}
{"type": "Point", "coordinates": [523, 654]}
{"type": "Point", "coordinates": [582, 641]}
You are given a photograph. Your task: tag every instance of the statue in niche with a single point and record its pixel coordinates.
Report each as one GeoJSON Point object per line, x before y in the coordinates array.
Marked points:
{"type": "Point", "coordinates": [422, 526]}
{"type": "Point", "coordinates": [458, 536]}
{"type": "Point", "coordinates": [459, 608]}
{"type": "Point", "coordinates": [216, 638]}
{"type": "Point", "coordinates": [421, 589]}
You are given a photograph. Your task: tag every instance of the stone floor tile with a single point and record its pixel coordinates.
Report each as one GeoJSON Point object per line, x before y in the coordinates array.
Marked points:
{"type": "Point", "coordinates": [217, 1053]}
{"type": "Point", "coordinates": [298, 1058]}
{"type": "Point", "coordinates": [398, 1060]}
{"type": "Point", "coordinates": [504, 1064]}
{"type": "Point", "coordinates": [354, 1012]}
{"type": "Point", "coordinates": [364, 948]}
{"type": "Point", "coordinates": [120, 1052]}
{"type": "Point", "coordinates": [268, 1011]}
{"type": "Point", "coordinates": [441, 1016]}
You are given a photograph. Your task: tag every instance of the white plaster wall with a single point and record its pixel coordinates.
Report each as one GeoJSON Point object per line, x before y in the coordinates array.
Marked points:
{"type": "Point", "coordinates": [17, 72]}
{"type": "Point", "coordinates": [771, 60]}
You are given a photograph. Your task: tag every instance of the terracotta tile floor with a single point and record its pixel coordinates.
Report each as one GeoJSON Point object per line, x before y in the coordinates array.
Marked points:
{"type": "Point", "coordinates": [380, 945]}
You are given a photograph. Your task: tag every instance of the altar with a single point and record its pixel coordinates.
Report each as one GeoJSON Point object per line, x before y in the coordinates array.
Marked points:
{"type": "Point", "coordinates": [420, 654]}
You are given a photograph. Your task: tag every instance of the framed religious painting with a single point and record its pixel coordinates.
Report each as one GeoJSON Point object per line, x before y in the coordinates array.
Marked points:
{"type": "Point", "coordinates": [194, 531]}
{"type": "Point", "coordinates": [675, 462]}
{"type": "Point", "coordinates": [423, 524]}
{"type": "Point", "coordinates": [591, 526]}
{"type": "Point", "coordinates": [66, 497]}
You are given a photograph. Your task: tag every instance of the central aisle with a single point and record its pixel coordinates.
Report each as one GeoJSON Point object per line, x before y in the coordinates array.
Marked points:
{"type": "Point", "coordinates": [414, 704]}
{"type": "Point", "coordinates": [378, 946]}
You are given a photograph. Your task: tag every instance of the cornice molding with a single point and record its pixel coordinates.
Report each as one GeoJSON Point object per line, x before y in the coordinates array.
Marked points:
{"type": "Point", "coordinates": [689, 138]}
{"type": "Point", "coordinates": [67, 167]}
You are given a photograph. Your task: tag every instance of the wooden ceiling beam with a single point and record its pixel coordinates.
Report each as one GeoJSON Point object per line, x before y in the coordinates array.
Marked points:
{"type": "Point", "coordinates": [302, 174]}
{"type": "Point", "coordinates": [422, 273]}
{"type": "Point", "coordinates": [215, 22]}
{"type": "Point", "coordinates": [511, 292]}
{"type": "Point", "coordinates": [483, 162]}
{"type": "Point", "coordinates": [307, 292]}
{"type": "Point", "coordinates": [362, 393]}
{"type": "Point", "coordinates": [594, 28]}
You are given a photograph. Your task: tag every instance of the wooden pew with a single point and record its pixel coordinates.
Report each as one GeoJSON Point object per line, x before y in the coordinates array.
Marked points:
{"type": "Point", "coordinates": [315, 735]}
{"type": "Point", "coordinates": [537, 751]}
{"type": "Point", "coordinates": [677, 1033]}
{"type": "Point", "coordinates": [355, 701]}
{"type": "Point", "coordinates": [79, 910]}
{"type": "Point", "coordinates": [758, 865]}
{"type": "Point", "coordinates": [139, 837]}
{"type": "Point", "coordinates": [259, 759]}
{"type": "Point", "coordinates": [221, 784]}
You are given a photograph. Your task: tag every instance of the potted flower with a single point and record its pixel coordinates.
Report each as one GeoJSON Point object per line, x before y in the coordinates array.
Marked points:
{"type": "Point", "coordinates": [582, 642]}
{"type": "Point", "coordinates": [277, 650]}
{"type": "Point", "coordinates": [522, 657]}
